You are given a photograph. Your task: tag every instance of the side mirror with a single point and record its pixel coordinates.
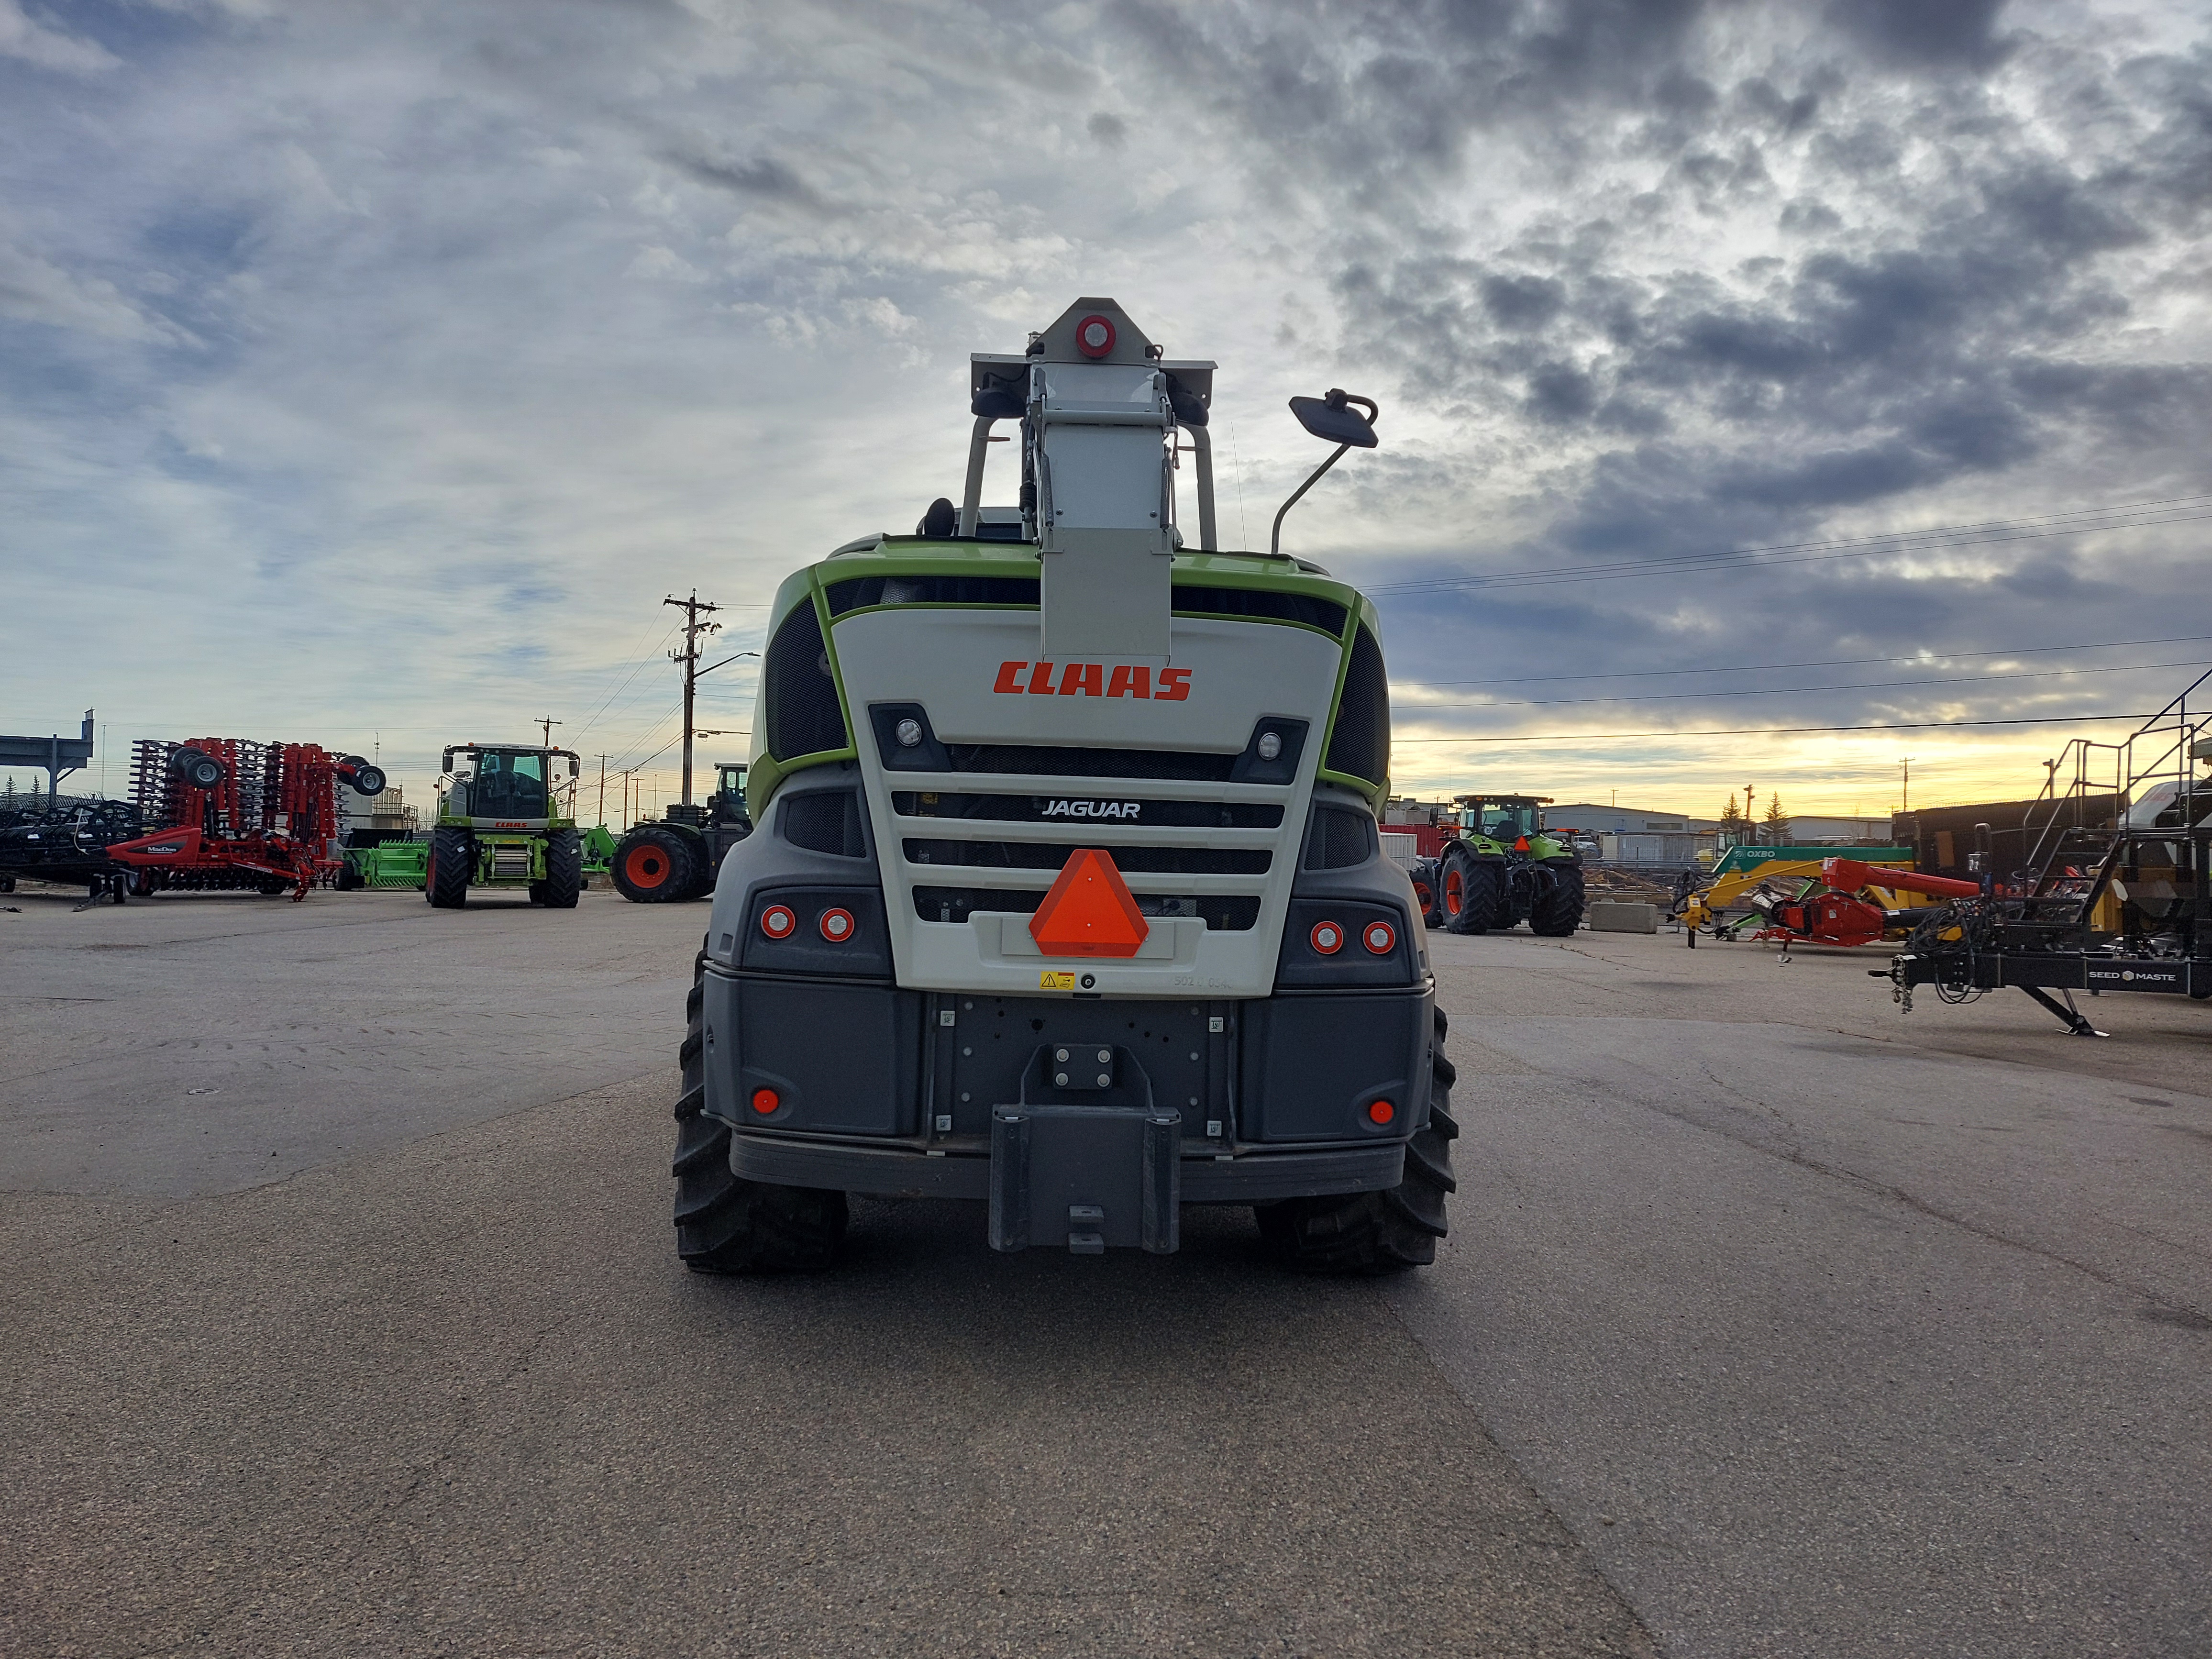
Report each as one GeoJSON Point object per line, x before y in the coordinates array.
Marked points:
{"type": "Point", "coordinates": [1333, 420]}
{"type": "Point", "coordinates": [571, 766]}
{"type": "Point", "coordinates": [1331, 417]}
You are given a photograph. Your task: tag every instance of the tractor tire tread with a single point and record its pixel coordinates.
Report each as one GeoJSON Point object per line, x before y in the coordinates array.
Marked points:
{"type": "Point", "coordinates": [564, 871]}
{"type": "Point", "coordinates": [1556, 910]}
{"type": "Point", "coordinates": [452, 852]}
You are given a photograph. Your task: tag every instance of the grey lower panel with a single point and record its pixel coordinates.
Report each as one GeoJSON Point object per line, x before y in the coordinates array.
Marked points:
{"type": "Point", "coordinates": [1255, 1178]}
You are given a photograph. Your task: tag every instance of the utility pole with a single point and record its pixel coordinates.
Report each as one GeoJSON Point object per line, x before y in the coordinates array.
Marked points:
{"type": "Point", "coordinates": [549, 725]}
{"type": "Point", "coordinates": [603, 792]}
{"type": "Point", "coordinates": [1907, 806]}
{"type": "Point", "coordinates": [692, 608]}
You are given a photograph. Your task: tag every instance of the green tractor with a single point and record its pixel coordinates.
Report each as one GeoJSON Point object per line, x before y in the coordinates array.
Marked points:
{"type": "Point", "coordinates": [506, 818]}
{"type": "Point", "coordinates": [678, 857]}
{"type": "Point", "coordinates": [1500, 868]}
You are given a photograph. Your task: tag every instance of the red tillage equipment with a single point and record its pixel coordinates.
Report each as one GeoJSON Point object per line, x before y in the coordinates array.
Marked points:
{"type": "Point", "coordinates": [240, 814]}
{"type": "Point", "coordinates": [1835, 913]}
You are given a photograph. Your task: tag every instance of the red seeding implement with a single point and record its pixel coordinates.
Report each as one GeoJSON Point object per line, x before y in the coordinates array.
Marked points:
{"type": "Point", "coordinates": [245, 815]}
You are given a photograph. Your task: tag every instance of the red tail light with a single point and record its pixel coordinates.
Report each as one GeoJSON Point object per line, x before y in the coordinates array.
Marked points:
{"type": "Point", "coordinates": [1327, 937]}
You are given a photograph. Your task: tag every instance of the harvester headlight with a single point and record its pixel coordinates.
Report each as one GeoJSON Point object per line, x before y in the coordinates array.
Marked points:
{"type": "Point", "coordinates": [1271, 746]}
{"type": "Point", "coordinates": [909, 732]}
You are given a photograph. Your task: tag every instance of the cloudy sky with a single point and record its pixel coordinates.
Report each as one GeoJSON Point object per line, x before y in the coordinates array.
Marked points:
{"type": "Point", "coordinates": [369, 372]}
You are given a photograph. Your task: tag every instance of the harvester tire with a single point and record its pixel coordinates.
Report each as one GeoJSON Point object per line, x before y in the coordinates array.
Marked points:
{"type": "Point", "coordinates": [1474, 892]}
{"type": "Point", "coordinates": [653, 865]}
{"type": "Point", "coordinates": [452, 855]}
{"type": "Point", "coordinates": [564, 871]}
{"type": "Point", "coordinates": [1383, 1232]}
{"type": "Point", "coordinates": [1556, 909]}
{"type": "Point", "coordinates": [727, 1225]}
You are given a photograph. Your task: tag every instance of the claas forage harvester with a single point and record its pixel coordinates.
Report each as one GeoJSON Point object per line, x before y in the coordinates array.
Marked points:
{"type": "Point", "coordinates": [1066, 896]}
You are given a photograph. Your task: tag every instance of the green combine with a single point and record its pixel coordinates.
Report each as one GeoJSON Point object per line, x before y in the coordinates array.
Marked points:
{"type": "Point", "coordinates": [506, 819]}
{"type": "Point", "coordinates": [1501, 868]}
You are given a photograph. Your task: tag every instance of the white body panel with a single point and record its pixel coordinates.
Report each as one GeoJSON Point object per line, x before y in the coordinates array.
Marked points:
{"type": "Point", "coordinates": [949, 661]}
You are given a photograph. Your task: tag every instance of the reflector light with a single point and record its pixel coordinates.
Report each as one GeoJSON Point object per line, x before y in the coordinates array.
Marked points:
{"type": "Point", "coordinates": [767, 1100]}
{"type": "Point", "coordinates": [1088, 911]}
{"type": "Point", "coordinates": [836, 926]}
{"type": "Point", "coordinates": [1094, 335]}
{"type": "Point", "coordinates": [1381, 1111]}
{"type": "Point", "coordinates": [1327, 937]}
{"type": "Point", "coordinates": [777, 922]}
{"type": "Point", "coordinates": [1379, 938]}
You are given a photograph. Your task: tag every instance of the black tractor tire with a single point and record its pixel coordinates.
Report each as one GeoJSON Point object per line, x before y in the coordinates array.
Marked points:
{"type": "Point", "coordinates": [704, 869]}
{"type": "Point", "coordinates": [727, 1225]}
{"type": "Point", "coordinates": [564, 871]}
{"type": "Point", "coordinates": [1385, 1232]}
{"type": "Point", "coordinates": [1428, 876]}
{"type": "Point", "coordinates": [1475, 893]}
{"type": "Point", "coordinates": [453, 861]}
{"type": "Point", "coordinates": [1557, 908]}
{"type": "Point", "coordinates": [196, 768]}
{"type": "Point", "coordinates": [653, 865]}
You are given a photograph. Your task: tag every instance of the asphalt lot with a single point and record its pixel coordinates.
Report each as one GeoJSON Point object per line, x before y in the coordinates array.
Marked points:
{"type": "Point", "coordinates": [1773, 1322]}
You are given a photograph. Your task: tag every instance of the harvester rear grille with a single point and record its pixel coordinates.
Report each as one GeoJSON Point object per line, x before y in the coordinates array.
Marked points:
{"type": "Point", "coordinates": [1051, 855]}
{"type": "Point", "coordinates": [1034, 809]}
{"type": "Point", "coordinates": [1054, 761]}
{"type": "Point", "coordinates": [1221, 914]}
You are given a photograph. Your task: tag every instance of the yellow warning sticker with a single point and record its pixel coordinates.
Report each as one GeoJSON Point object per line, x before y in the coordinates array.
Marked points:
{"type": "Point", "coordinates": [1051, 980]}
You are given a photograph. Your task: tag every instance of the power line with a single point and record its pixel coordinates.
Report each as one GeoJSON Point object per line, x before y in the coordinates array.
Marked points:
{"type": "Point", "coordinates": [642, 662]}
{"type": "Point", "coordinates": [1930, 658]}
{"type": "Point", "coordinates": [1934, 538]}
{"type": "Point", "coordinates": [1788, 690]}
{"type": "Point", "coordinates": [1771, 731]}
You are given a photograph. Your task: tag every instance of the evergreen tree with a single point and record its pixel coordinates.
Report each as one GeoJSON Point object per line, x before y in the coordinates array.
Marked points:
{"type": "Point", "coordinates": [1776, 825]}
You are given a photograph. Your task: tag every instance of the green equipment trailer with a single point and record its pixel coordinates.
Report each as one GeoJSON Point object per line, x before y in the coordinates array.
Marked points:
{"type": "Point", "coordinates": [1501, 868]}
{"type": "Point", "coordinates": [506, 819]}
{"type": "Point", "coordinates": [389, 864]}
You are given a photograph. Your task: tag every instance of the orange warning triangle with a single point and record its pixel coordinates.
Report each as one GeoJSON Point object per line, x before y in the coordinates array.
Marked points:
{"type": "Point", "coordinates": [1089, 912]}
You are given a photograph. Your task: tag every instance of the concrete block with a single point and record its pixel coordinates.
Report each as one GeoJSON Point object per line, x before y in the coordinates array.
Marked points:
{"type": "Point", "coordinates": [1611, 916]}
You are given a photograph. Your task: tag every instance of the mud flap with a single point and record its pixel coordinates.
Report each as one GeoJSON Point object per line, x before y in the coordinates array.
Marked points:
{"type": "Point", "coordinates": [1085, 1174]}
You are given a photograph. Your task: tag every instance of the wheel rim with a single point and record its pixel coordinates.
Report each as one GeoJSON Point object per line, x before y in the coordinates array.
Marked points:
{"type": "Point", "coordinates": [645, 866]}
{"type": "Point", "coordinates": [1455, 892]}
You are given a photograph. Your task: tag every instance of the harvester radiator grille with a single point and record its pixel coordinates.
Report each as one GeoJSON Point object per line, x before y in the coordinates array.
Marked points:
{"type": "Point", "coordinates": [1131, 860]}
{"type": "Point", "coordinates": [510, 863]}
{"type": "Point", "coordinates": [1052, 761]}
{"type": "Point", "coordinates": [1360, 745]}
{"type": "Point", "coordinates": [826, 821]}
{"type": "Point", "coordinates": [861, 591]}
{"type": "Point", "coordinates": [1032, 809]}
{"type": "Point", "coordinates": [1338, 839]}
{"type": "Point", "coordinates": [797, 692]}
{"type": "Point", "coordinates": [1220, 913]}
